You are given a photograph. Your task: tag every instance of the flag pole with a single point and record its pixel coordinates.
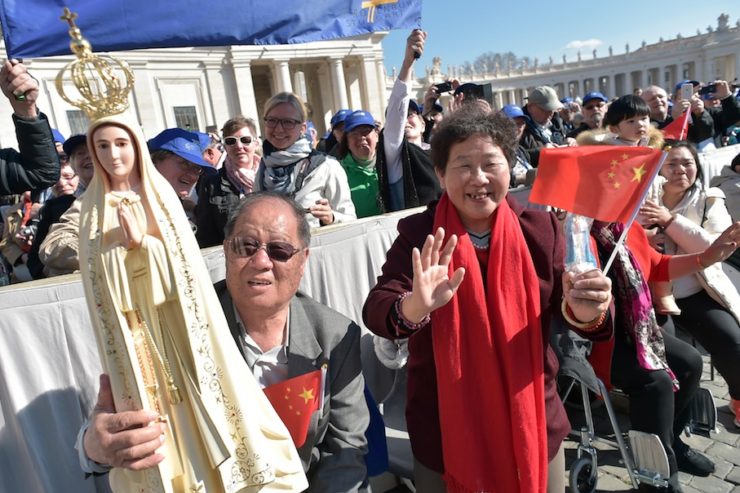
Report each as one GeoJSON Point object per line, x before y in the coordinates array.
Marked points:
{"type": "Point", "coordinates": [632, 217]}
{"type": "Point", "coordinates": [685, 124]}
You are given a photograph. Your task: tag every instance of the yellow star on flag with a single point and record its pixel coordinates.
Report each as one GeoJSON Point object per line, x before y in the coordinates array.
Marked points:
{"type": "Point", "coordinates": [307, 395]}
{"type": "Point", "coordinates": [371, 5]}
{"type": "Point", "coordinates": [617, 184]}
{"type": "Point", "coordinates": [625, 156]}
{"type": "Point", "coordinates": [639, 172]}
{"type": "Point", "coordinates": [611, 174]}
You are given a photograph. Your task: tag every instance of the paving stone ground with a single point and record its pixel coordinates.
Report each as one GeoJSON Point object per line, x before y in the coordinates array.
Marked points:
{"type": "Point", "coordinates": [723, 448]}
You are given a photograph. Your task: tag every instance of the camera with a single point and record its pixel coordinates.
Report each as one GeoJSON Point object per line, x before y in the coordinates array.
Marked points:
{"type": "Point", "coordinates": [687, 90]}
{"type": "Point", "coordinates": [30, 228]}
{"type": "Point", "coordinates": [443, 87]}
{"type": "Point", "coordinates": [708, 89]}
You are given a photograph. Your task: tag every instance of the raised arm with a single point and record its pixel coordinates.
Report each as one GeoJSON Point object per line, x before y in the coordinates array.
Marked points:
{"type": "Point", "coordinates": [37, 164]}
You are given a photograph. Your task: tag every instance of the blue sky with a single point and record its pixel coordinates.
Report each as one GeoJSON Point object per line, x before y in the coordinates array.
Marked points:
{"type": "Point", "coordinates": [461, 30]}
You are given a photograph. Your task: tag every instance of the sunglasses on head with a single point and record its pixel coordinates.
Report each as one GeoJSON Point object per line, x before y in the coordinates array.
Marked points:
{"type": "Point", "coordinates": [231, 141]}
{"type": "Point", "coordinates": [279, 251]}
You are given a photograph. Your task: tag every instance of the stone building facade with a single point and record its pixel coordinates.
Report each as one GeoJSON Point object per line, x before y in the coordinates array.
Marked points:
{"type": "Point", "coordinates": [201, 88]}
{"type": "Point", "coordinates": [713, 54]}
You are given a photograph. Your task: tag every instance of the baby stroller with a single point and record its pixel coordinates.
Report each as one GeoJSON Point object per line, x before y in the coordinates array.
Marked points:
{"type": "Point", "coordinates": [642, 454]}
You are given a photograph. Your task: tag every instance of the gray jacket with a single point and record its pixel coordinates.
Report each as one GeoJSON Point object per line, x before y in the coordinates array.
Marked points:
{"type": "Point", "coordinates": [729, 182]}
{"type": "Point", "coordinates": [334, 453]}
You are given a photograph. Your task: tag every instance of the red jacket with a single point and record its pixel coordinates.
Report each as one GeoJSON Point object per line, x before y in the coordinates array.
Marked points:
{"type": "Point", "coordinates": [544, 238]}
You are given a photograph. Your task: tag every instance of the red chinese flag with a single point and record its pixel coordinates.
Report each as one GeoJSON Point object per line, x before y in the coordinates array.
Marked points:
{"type": "Point", "coordinates": [676, 130]}
{"type": "Point", "coordinates": [602, 182]}
{"type": "Point", "coordinates": [295, 400]}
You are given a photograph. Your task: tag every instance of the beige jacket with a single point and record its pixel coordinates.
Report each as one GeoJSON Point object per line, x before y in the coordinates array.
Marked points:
{"type": "Point", "coordinates": [700, 218]}
{"type": "Point", "coordinates": [60, 250]}
{"type": "Point", "coordinates": [9, 245]}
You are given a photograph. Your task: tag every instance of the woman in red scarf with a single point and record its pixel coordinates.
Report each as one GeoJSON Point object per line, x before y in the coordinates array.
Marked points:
{"type": "Point", "coordinates": [474, 282]}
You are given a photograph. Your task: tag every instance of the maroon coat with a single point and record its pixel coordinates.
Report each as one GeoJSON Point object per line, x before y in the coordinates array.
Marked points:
{"type": "Point", "coordinates": [544, 238]}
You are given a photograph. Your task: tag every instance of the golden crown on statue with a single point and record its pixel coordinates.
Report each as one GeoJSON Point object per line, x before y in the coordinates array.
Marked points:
{"type": "Point", "coordinates": [103, 82]}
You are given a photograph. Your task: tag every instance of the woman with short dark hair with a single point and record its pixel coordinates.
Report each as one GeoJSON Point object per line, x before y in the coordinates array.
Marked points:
{"type": "Point", "coordinates": [474, 282]}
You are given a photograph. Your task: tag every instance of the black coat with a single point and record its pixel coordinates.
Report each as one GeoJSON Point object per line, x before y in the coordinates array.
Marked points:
{"type": "Point", "coordinates": [36, 166]}
{"type": "Point", "coordinates": [533, 140]}
{"type": "Point", "coordinates": [217, 199]}
{"type": "Point", "coordinates": [420, 183]}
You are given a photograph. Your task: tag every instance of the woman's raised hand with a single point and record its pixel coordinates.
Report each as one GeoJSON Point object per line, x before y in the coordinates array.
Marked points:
{"type": "Point", "coordinates": [724, 246]}
{"type": "Point", "coordinates": [432, 287]}
{"type": "Point", "coordinates": [132, 235]}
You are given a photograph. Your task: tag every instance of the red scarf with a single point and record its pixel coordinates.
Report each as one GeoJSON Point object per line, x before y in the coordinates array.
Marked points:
{"type": "Point", "coordinates": [488, 355]}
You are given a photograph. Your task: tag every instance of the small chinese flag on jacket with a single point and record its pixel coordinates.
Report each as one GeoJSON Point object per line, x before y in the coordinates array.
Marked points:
{"type": "Point", "coordinates": [602, 182]}
{"type": "Point", "coordinates": [295, 400]}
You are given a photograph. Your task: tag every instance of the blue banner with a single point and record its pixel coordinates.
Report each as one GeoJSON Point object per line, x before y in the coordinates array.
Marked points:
{"type": "Point", "coordinates": [32, 28]}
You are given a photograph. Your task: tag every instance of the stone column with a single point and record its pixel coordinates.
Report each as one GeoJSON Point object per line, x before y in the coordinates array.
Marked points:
{"type": "Point", "coordinates": [282, 75]}
{"type": "Point", "coordinates": [340, 88]}
{"type": "Point", "coordinates": [641, 78]}
{"type": "Point", "coordinates": [512, 98]}
{"type": "Point", "coordinates": [245, 89]}
{"type": "Point", "coordinates": [219, 107]}
{"type": "Point", "coordinates": [148, 103]}
{"type": "Point", "coordinates": [299, 85]}
{"type": "Point", "coordinates": [498, 100]}
{"type": "Point", "coordinates": [369, 74]}
{"type": "Point", "coordinates": [380, 69]}
{"type": "Point", "coordinates": [610, 90]}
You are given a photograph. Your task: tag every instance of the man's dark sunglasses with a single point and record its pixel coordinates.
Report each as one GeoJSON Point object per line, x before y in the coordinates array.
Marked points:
{"type": "Point", "coordinates": [278, 251]}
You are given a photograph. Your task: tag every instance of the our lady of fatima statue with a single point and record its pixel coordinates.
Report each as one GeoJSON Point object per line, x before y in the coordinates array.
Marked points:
{"type": "Point", "coordinates": [160, 331]}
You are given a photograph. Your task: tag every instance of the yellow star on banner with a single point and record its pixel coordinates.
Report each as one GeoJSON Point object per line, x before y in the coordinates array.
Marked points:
{"type": "Point", "coordinates": [617, 184]}
{"type": "Point", "coordinates": [625, 156]}
{"type": "Point", "coordinates": [371, 5]}
{"type": "Point", "coordinates": [639, 172]}
{"type": "Point", "coordinates": [307, 395]}
{"type": "Point", "coordinates": [614, 163]}
{"type": "Point", "coordinates": [611, 174]}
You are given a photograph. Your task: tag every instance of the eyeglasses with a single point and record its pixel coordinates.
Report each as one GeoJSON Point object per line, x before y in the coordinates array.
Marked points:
{"type": "Point", "coordinates": [286, 123]}
{"type": "Point", "coordinates": [244, 139]}
{"type": "Point", "coordinates": [279, 251]}
{"type": "Point", "coordinates": [190, 168]}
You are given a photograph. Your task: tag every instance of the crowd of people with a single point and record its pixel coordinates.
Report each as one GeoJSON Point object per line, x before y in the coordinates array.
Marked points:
{"type": "Point", "coordinates": [474, 282]}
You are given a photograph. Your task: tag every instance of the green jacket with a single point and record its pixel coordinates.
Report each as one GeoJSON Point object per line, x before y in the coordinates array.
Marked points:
{"type": "Point", "coordinates": [363, 185]}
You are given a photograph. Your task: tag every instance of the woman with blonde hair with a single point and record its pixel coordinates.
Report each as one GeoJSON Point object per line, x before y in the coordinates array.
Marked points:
{"type": "Point", "coordinates": [316, 181]}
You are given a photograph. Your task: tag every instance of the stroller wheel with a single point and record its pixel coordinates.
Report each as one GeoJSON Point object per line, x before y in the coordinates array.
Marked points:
{"type": "Point", "coordinates": [583, 476]}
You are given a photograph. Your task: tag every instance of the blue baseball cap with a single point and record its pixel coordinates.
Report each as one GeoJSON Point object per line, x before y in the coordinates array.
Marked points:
{"type": "Point", "coordinates": [357, 119]}
{"type": "Point", "coordinates": [58, 137]}
{"type": "Point", "coordinates": [414, 107]}
{"type": "Point", "coordinates": [204, 140]}
{"type": "Point", "coordinates": [694, 83]}
{"type": "Point", "coordinates": [73, 142]}
{"type": "Point", "coordinates": [182, 142]}
{"type": "Point", "coordinates": [339, 117]}
{"type": "Point", "coordinates": [513, 111]}
{"type": "Point", "coordinates": [590, 96]}
{"type": "Point", "coordinates": [436, 107]}
{"type": "Point", "coordinates": [567, 100]}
